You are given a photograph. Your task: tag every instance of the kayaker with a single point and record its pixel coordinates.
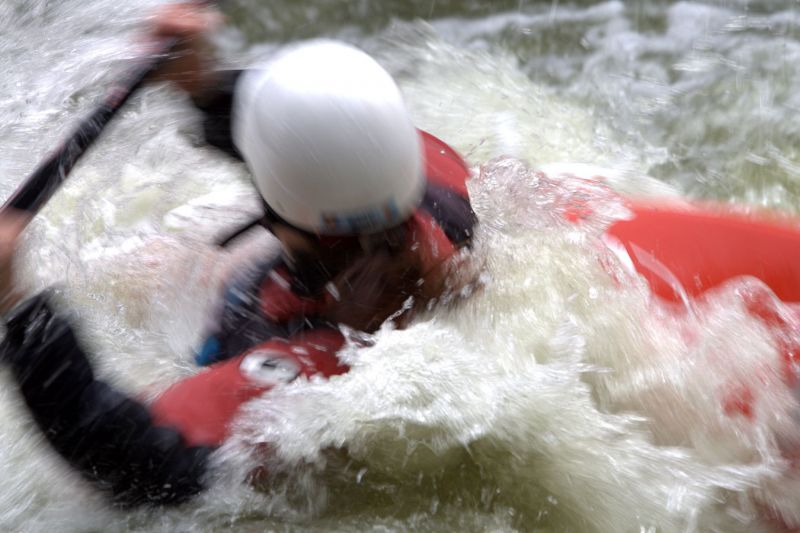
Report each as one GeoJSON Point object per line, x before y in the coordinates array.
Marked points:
{"type": "Point", "coordinates": [370, 213]}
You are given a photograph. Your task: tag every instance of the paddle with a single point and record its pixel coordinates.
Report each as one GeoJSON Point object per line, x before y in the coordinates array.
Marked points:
{"type": "Point", "coordinates": [35, 191]}
{"type": "Point", "coordinates": [40, 186]}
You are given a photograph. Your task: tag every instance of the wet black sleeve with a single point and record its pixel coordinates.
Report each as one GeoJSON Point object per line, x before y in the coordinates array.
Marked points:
{"type": "Point", "coordinates": [109, 437]}
{"type": "Point", "coordinates": [217, 108]}
{"type": "Point", "coordinates": [452, 212]}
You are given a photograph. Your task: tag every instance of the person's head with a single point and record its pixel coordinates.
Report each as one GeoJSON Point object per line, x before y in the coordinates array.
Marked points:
{"type": "Point", "coordinates": [330, 144]}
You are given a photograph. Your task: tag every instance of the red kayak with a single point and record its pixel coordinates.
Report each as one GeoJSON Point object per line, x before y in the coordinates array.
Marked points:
{"type": "Point", "coordinates": [686, 250]}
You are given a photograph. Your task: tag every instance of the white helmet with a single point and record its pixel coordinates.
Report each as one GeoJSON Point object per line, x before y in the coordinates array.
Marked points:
{"type": "Point", "coordinates": [328, 139]}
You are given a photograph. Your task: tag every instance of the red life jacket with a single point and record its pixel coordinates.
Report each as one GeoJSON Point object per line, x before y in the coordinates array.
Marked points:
{"type": "Point", "coordinates": [203, 406]}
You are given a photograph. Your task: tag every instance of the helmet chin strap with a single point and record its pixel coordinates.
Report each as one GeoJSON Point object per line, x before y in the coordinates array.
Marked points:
{"type": "Point", "coordinates": [267, 221]}
{"type": "Point", "coordinates": [228, 238]}
{"type": "Point", "coordinates": [312, 271]}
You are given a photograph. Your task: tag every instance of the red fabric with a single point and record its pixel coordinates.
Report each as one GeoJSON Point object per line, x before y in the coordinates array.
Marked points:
{"type": "Point", "coordinates": [202, 406]}
{"type": "Point", "coordinates": [443, 166]}
{"type": "Point", "coordinates": [431, 243]}
{"type": "Point", "coordinates": [279, 303]}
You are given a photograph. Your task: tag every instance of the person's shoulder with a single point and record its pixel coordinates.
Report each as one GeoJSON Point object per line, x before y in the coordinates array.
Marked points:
{"type": "Point", "coordinates": [221, 93]}
{"type": "Point", "coordinates": [444, 166]}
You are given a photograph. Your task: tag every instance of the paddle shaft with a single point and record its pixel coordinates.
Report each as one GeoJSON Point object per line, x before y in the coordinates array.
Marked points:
{"type": "Point", "coordinates": [40, 186]}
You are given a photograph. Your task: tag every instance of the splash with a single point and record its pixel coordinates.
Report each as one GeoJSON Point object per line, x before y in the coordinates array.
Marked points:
{"type": "Point", "coordinates": [574, 400]}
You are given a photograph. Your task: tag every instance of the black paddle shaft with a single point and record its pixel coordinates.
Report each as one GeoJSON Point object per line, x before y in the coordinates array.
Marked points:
{"type": "Point", "coordinates": [40, 186]}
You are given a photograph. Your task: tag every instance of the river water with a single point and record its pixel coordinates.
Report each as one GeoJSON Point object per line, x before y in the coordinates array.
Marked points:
{"type": "Point", "coordinates": [551, 399]}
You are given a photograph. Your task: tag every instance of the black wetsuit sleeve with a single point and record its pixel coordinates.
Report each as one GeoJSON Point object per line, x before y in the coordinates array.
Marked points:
{"type": "Point", "coordinates": [217, 108]}
{"type": "Point", "coordinates": [452, 211]}
{"type": "Point", "coordinates": [110, 438]}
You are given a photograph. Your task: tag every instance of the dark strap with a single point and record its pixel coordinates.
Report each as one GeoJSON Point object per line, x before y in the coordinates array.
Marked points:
{"type": "Point", "coordinates": [452, 212]}
{"type": "Point", "coordinates": [228, 238]}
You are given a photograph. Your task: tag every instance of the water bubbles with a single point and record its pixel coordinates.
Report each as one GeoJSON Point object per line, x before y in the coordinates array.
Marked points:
{"type": "Point", "coordinates": [555, 396]}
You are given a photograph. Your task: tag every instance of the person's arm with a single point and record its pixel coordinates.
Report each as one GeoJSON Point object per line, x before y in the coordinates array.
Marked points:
{"type": "Point", "coordinates": [107, 436]}
{"type": "Point", "coordinates": [217, 106]}
{"type": "Point", "coordinates": [446, 196]}
{"type": "Point", "coordinates": [193, 68]}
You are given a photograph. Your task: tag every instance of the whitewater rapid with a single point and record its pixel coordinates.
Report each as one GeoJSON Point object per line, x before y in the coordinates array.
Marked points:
{"type": "Point", "coordinates": [553, 397]}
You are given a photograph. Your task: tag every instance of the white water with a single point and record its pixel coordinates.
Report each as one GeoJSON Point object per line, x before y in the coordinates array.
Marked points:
{"type": "Point", "coordinates": [553, 398]}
